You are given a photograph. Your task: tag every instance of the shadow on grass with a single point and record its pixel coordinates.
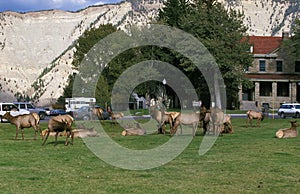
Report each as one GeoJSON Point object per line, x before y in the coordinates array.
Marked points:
{"type": "Point", "coordinates": [57, 143]}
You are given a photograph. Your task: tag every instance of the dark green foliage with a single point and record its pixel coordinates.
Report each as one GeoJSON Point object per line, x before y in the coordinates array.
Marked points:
{"type": "Point", "coordinates": [290, 49]}
{"type": "Point", "coordinates": [88, 40]}
{"type": "Point", "coordinates": [221, 32]}
{"type": "Point", "coordinates": [83, 46]}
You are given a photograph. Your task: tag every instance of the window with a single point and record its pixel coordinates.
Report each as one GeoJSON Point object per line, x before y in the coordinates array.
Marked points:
{"type": "Point", "coordinates": [265, 88]}
{"type": "Point", "coordinates": [262, 65]}
{"type": "Point", "coordinates": [297, 66]}
{"type": "Point", "coordinates": [247, 68]}
{"type": "Point", "coordinates": [279, 66]}
{"type": "Point", "coordinates": [29, 106]}
{"type": "Point", "coordinates": [283, 89]}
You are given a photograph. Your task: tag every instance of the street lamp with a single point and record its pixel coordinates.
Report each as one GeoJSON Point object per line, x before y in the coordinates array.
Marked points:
{"type": "Point", "coordinates": [164, 89]}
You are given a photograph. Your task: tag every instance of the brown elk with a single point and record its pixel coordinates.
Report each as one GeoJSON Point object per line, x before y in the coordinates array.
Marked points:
{"type": "Point", "coordinates": [115, 116]}
{"type": "Point", "coordinates": [192, 119]}
{"type": "Point", "coordinates": [288, 132]}
{"type": "Point", "coordinates": [137, 130]}
{"type": "Point", "coordinates": [99, 113]}
{"type": "Point", "coordinates": [162, 117]}
{"type": "Point", "coordinates": [217, 122]}
{"type": "Point", "coordinates": [252, 114]}
{"type": "Point", "coordinates": [23, 121]}
{"type": "Point", "coordinates": [59, 124]}
{"type": "Point", "coordinates": [227, 125]}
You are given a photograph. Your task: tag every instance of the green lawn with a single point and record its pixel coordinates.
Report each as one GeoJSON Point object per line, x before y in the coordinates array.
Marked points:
{"type": "Point", "coordinates": [249, 161]}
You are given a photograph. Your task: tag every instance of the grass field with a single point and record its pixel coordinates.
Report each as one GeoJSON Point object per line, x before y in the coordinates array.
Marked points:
{"type": "Point", "coordinates": [249, 161]}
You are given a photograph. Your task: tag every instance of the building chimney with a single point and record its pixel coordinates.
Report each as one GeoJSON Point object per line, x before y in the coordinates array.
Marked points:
{"type": "Point", "coordinates": [285, 35]}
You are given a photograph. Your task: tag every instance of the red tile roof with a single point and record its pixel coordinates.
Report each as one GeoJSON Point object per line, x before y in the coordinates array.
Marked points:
{"type": "Point", "coordinates": [265, 44]}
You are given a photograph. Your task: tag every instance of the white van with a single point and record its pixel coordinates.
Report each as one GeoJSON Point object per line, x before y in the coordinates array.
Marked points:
{"type": "Point", "coordinates": [13, 109]}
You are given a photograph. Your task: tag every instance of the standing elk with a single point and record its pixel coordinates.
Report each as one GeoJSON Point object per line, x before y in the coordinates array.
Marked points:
{"type": "Point", "coordinates": [252, 114]}
{"type": "Point", "coordinates": [99, 113]}
{"type": "Point", "coordinates": [59, 124]}
{"type": "Point", "coordinates": [23, 121]}
{"type": "Point", "coordinates": [192, 119]}
{"type": "Point", "coordinates": [217, 122]}
{"type": "Point", "coordinates": [162, 117]}
{"type": "Point", "coordinates": [288, 132]}
{"type": "Point", "coordinates": [227, 125]}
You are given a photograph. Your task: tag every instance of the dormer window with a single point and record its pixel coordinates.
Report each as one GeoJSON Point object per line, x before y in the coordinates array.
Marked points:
{"type": "Point", "coordinates": [262, 65]}
{"type": "Point", "coordinates": [279, 65]}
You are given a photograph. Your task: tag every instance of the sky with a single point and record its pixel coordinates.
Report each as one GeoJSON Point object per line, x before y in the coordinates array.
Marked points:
{"type": "Point", "coordinates": [37, 5]}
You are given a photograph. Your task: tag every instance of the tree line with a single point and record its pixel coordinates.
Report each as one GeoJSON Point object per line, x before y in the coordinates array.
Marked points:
{"type": "Point", "coordinates": [219, 29]}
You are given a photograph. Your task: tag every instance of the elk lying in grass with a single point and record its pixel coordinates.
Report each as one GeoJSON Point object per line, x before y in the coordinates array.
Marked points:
{"type": "Point", "coordinates": [44, 133]}
{"type": "Point", "coordinates": [23, 121]}
{"type": "Point", "coordinates": [288, 132]}
{"type": "Point", "coordinates": [252, 114]}
{"type": "Point", "coordinates": [115, 116]}
{"type": "Point", "coordinates": [59, 124]}
{"type": "Point", "coordinates": [137, 130]}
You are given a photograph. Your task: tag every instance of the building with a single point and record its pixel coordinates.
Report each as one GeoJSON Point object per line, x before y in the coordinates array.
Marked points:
{"type": "Point", "coordinates": [275, 82]}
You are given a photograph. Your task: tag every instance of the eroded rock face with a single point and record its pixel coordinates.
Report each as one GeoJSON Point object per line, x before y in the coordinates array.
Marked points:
{"type": "Point", "coordinates": [36, 48]}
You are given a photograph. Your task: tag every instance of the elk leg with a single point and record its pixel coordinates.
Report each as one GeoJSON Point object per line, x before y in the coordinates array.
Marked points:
{"type": "Point", "coordinates": [56, 138]}
{"type": "Point", "coordinates": [68, 134]}
{"type": "Point", "coordinates": [17, 131]}
{"type": "Point", "coordinates": [34, 134]}
{"type": "Point", "coordinates": [48, 132]}
{"type": "Point", "coordinates": [72, 137]}
{"type": "Point", "coordinates": [35, 131]}
{"type": "Point", "coordinates": [22, 131]}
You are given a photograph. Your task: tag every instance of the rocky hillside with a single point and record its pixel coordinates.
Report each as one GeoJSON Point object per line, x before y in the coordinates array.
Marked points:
{"type": "Point", "coordinates": [36, 48]}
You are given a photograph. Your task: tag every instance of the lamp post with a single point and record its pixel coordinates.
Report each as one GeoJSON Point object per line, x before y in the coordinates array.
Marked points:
{"type": "Point", "coordinates": [164, 88]}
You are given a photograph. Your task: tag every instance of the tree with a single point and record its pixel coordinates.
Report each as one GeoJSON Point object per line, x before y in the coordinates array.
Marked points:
{"type": "Point", "coordinates": [221, 32]}
{"type": "Point", "coordinates": [88, 40]}
{"type": "Point", "coordinates": [83, 46]}
{"type": "Point", "coordinates": [290, 48]}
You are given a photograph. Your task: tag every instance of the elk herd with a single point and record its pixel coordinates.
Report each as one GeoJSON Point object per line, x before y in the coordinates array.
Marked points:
{"type": "Point", "coordinates": [213, 121]}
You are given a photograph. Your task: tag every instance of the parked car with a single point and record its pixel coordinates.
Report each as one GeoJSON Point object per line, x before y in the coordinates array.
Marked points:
{"type": "Point", "coordinates": [31, 108]}
{"type": "Point", "coordinates": [47, 110]}
{"type": "Point", "coordinates": [13, 109]}
{"type": "Point", "coordinates": [289, 110]}
{"type": "Point", "coordinates": [56, 112]}
{"type": "Point", "coordinates": [86, 113]}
